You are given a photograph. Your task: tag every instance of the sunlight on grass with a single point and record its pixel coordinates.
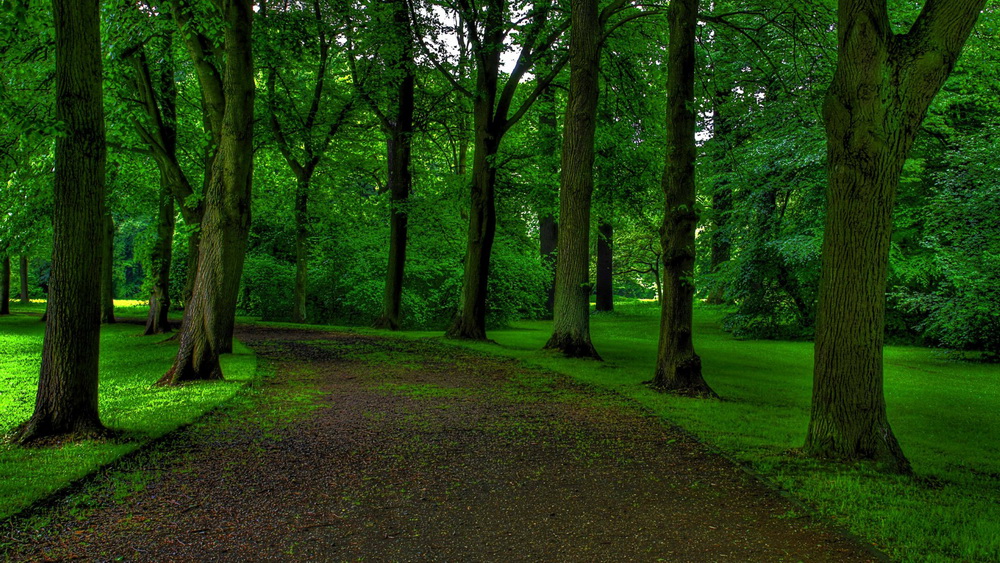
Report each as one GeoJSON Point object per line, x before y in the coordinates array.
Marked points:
{"type": "Point", "coordinates": [943, 411]}
{"type": "Point", "coordinates": [129, 402]}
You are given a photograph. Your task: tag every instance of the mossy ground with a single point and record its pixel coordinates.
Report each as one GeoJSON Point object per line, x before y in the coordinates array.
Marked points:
{"type": "Point", "coordinates": [129, 402]}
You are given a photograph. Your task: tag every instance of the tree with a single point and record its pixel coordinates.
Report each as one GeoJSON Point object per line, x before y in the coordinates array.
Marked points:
{"type": "Point", "coordinates": [66, 402]}
{"type": "Point", "coordinates": [158, 321]}
{"type": "Point", "coordinates": [678, 367]}
{"type": "Point", "coordinates": [302, 134]}
{"type": "Point", "coordinates": [494, 114]}
{"type": "Point", "coordinates": [571, 319]}
{"type": "Point", "coordinates": [398, 67]}
{"type": "Point", "coordinates": [210, 316]}
{"type": "Point", "coordinates": [880, 92]}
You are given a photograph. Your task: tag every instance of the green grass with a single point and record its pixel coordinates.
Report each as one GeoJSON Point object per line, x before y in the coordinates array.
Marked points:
{"type": "Point", "coordinates": [944, 413]}
{"type": "Point", "coordinates": [129, 402]}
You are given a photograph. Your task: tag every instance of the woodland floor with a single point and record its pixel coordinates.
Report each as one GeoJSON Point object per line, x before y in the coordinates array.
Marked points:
{"type": "Point", "coordinates": [366, 448]}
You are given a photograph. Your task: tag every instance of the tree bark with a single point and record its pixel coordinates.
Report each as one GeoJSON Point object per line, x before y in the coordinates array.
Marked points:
{"type": "Point", "coordinates": [400, 181]}
{"type": "Point", "coordinates": [210, 317]}
{"type": "Point", "coordinates": [108, 272]}
{"type": "Point", "coordinates": [605, 267]}
{"type": "Point", "coordinates": [5, 286]}
{"type": "Point", "coordinates": [470, 322]}
{"type": "Point", "coordinates": [571, 319]}
{"type": "Point", "coordinates": [492, 118]}
{"type": "Point", "coordinates": [880, 93]}
{"type": "Point", "coordinates": [24, 280]}
{"type": "Point", "coordinates": [66, 402]}
{"type": "Point", "coordinates": [678, 367]}
{"type": "Point", "coordinates": [158, 321]}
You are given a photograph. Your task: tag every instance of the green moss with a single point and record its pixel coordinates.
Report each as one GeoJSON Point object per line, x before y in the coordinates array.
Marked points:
{"type": "Point", "coordinates": [129, 402]}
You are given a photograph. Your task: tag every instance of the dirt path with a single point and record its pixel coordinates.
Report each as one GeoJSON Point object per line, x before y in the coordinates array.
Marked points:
{"type": "Point", "coordinates": [362, 448]}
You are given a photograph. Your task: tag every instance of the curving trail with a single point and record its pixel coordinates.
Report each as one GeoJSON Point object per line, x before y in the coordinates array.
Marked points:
{"type": "Point", "coordinates": [365, 448]}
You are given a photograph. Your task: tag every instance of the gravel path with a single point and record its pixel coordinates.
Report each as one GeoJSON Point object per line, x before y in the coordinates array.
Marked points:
{"type": "Point", "coordinates": [368, 449]}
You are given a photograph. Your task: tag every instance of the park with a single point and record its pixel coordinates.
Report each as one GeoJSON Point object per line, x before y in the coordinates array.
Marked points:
{"type": "Point", "coordinates": [445, 280]}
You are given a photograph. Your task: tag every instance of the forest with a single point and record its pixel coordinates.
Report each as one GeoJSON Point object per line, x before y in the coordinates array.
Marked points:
{"type": "Point", "coordinates": [812, 174]}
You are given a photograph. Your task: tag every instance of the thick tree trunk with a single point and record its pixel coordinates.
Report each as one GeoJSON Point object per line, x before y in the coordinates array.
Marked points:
{"type": "Point", "coordinates": [24, 280]}
{"type": "Point", "coordinates": [209, 319]}
{"type": "Point", "coordinates": [398, 147]}
{"type": "Point", "coordinates": [571, 319]}
{"type": "Point", "coordinates": [5, 286]}
{"type": "Point", "coordinates": [159, 298]}
{"type": "Point", "coordinates": [678, 367]}
{"type": "Point", "coordinates": [108, 272]}
{"type": "Point", "coordinates": [470, 321]}
{"type": "Point", "coordinates": [880, 93]}
{"type": "Point", "coordinates": [605, 267]}
{"type": "Point", "coordinates": [300, 292]}
{"type": "Point", "coordinates": [66, 402]}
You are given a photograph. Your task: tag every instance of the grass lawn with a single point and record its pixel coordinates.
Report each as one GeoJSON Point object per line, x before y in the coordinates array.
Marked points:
{"type": "Point", "coordinates": [130, 365]}
{"type": "Point", "coordinates": [944, 413]}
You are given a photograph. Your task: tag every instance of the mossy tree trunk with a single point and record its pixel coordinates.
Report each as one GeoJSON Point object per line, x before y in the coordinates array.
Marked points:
{"type": "Point", "coordinates": [571, 315]}
{"type": "Point", "coordinates": [66, 402]}
{"type": "Point", "coordinates": [108, 271]}
{"type": "Point", "coordinates": [880, 93]}
{"type": "Point", "coordinates": [158, 130]}
{"type": "Point", "coordinates": [209, 318]}
{"type": "Point", "coordinates": [678, 367]}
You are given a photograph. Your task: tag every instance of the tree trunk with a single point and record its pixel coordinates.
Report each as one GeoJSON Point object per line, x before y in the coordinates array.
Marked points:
{"type": "Point", "coordinates": [24, 280]}
{"type": "Point", "coordinates": [398, 147]}
{"type": "Point", "coordinates": [299, 314]}
{"type": "Point", "coordinates": [66, 402]}
{"type": "Point", "coordinates": [470, 322]}
{"type": "Point", "coordinates": [881, 89]}
{"type": "Point", "coordinates": [210, 317]}
{"type": "Point", "coordinates": [678, 367]}
{"type": "Point", "coordinates": [5, 286]}
{"type": "Point", "coordinates": [571, 319]}
{"type": "Point", "coordinates": [605, 267]}
{"type": "Point", "coordinates": [108, 272]}
{"type": "Point", "coordinates": [158, 321]}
